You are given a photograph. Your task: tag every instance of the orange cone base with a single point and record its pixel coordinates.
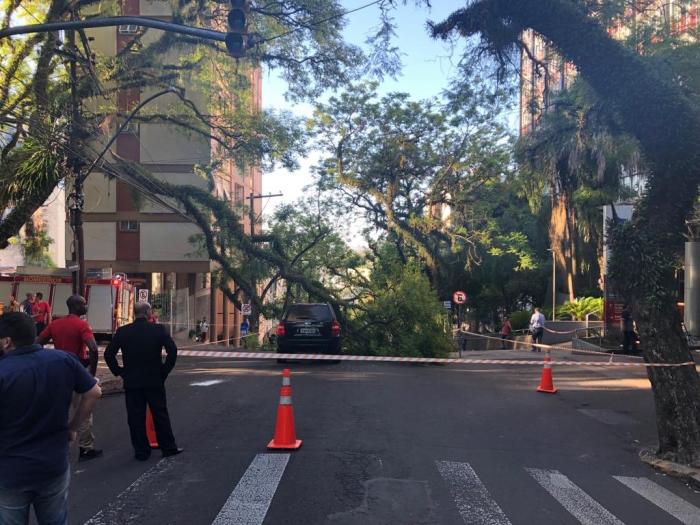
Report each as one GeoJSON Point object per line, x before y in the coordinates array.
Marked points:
{"type": "Point", "coordinates": [150, 430]}
{"type": "Point", "coordinates": [285, 446]}
{"type": "Point", "coordinates": [547, 382]}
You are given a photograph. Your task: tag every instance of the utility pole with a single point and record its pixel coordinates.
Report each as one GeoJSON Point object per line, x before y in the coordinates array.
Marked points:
{"type": "Point", "coordinates": [255, 315]}
{"type": "Point", "coordinates": [251, 211]}
{"type": "Point", "coordinates": [77, 197]}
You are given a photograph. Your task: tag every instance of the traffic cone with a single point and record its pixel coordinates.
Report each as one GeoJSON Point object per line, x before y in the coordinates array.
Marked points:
{"type": "Point", "coordinates": [150, 429]}
{"type": "Point", "coordinates": [547, 381]}
{"type": "Point", "coordinates": [285, 435]}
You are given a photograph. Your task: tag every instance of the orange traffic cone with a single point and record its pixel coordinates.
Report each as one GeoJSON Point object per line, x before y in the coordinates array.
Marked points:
{"type": "Point", "coordinates": [150, 429]}
{"type": "Point", "coordinates": [547, 381]}
{"type": "Point", "coordinates": [285, 435]}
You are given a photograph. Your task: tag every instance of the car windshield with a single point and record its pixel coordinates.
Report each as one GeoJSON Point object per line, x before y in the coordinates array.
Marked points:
{"type": "Point", "coordinates": [317, 312]}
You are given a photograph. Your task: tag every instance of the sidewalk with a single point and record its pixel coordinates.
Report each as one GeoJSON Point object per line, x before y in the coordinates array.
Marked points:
{"type": "Point", "coordinates": [109, 383]}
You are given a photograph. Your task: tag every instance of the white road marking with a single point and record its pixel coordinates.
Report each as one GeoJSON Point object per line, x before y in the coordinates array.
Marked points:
{"type": "Point", "coordinates": [119, 510]}
{"type": "Point", "coordinates": [663, 498]}
{"type": "Point", "coordinates": [250, 500]}
{"type": "Point", "coordinates": [207, 383]}
{"type": "Point", "coordinates": [574, 499]}
{"type": "Point", "coordinates": [475, 504]}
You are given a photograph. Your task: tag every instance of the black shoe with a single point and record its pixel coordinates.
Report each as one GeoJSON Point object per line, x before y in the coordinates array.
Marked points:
{"type": "Point", "coordinates": [173, 452]}
{"type": "Point", "coordinates": [87, 454]}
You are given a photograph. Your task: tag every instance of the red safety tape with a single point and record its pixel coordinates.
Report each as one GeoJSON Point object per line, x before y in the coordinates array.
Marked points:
{"type": "Point", "coordinates": [434, 360]}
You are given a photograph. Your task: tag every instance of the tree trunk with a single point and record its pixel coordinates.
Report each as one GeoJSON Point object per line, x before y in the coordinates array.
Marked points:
{"type": "Point", "coordinates": [676, 390]}
{"type": "Point", "coordinates": [569, 245]}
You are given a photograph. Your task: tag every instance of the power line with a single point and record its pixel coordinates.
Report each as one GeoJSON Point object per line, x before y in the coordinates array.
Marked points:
{"type": "Point", "coordinates": [29, 13]}
{"type": "Point", "coordinates": [312, 23]}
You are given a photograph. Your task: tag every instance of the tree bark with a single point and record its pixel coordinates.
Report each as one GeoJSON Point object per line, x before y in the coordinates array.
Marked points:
{"type": "Point", "coordinates": [653, 109]}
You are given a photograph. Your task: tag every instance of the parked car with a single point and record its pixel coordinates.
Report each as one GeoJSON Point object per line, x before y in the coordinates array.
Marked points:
{"type": "Point", "coordinates": [309, 328]}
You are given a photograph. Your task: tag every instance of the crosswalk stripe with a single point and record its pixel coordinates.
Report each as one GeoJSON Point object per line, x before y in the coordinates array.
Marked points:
{"type": "Point", "coordinates": [663, 498]}
{"type": "Point", "coordinates": [250, 500]}
{"type": "Point", "coordinates": [574, 499]}
{"type": "Point", "coordinates": [475, 504]}
{"type": "Point", "coordinates": [119, 510]}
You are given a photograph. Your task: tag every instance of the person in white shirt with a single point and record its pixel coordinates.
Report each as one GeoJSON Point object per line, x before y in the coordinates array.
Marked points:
{"type": "Point", "coordinates": [537, 329]}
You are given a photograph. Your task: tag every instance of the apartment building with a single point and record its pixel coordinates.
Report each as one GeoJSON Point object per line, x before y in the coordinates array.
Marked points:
{"type": "Point", "coordinates": [127, 233]}
{"type": "Point", "coordinates": [543, 73]}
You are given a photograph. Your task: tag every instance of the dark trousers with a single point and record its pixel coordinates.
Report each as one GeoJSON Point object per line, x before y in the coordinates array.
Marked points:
{"type": "Point", "coordinates": [136, 401]}
{"type": "Point", "coordinates": [628, 340]}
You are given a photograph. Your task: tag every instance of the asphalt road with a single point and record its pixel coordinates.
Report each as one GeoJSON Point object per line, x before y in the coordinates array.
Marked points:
{"type": "Point", "coordinates": [388, 444]}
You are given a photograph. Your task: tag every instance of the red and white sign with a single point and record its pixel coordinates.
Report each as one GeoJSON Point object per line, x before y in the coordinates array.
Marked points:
{"type": "Point", "coordinates": [459, 297]}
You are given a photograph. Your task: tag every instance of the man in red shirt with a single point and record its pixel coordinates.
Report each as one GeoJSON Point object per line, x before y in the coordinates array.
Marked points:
{"type": "Point", "coordinates": [41, 312]}
{"type": "Point", "coordinates": [73, 335]}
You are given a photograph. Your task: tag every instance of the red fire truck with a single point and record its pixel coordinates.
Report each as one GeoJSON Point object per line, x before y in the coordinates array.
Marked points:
{"type": "Point", "coordinates": [110, 301]}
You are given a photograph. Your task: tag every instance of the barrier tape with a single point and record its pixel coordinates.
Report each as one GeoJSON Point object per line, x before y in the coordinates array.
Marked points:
{"type": "Point", "coordinates": [427, 360]}
{"type": "Point", "coordinates": [529, 345]}
{"type": "Point", "coordinates": [566, 332]}
{"type": "Point", "coordinates": [216, 342]}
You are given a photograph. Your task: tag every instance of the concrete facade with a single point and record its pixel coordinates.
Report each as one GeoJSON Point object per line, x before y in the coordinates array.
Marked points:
{"type": "Point", "coordinates": [129, 233]}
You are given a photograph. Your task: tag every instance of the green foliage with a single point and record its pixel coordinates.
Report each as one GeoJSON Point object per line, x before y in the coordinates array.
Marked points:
{"type": "Point", "coordinates": [402, 316]}
{"type": "Point", "coordinates": [520, 320]}
{"type": "Point", "coordinates": [34, 246]}
{"type": "Point", "coordinates": [580, 308]}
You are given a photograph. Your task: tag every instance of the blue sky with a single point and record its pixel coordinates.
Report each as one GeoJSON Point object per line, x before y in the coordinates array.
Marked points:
{"type": "Point", "coordinates": [427, 67]}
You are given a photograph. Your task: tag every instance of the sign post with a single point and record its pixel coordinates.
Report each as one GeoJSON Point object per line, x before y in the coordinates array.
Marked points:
{"type": "Point", "coordinates": [143, 295]}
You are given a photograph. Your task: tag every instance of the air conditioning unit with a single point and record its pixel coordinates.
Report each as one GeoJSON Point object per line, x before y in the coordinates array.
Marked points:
{"type": "Point", "coordinates": [132, 128]}
{"type": "Point", "coordinates": [128, 29]}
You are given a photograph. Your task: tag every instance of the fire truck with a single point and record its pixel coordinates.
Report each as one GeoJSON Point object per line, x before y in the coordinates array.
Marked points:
{"type": "Point", "coordinates": [110, 301]}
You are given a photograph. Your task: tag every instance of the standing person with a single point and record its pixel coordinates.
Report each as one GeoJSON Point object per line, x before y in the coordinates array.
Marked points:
{"type": "Point", "coordinates": [506, 329]}
{"type": "Point", "coordinates": [537, 329]}
{"type": "Point", "coordinates": [628, 334]}
{"type": "Point", "coordinates": [204, 329]}
{"type": "Point", "coordinates": [41, 312]}
{"type": "Point", "coordinates": [14, 305]}
{"type": "Point", "coordinates": [73, 335]}
{"type": "Point", "coordinates": [144, 373]}
{"type": "Point", "coordinates": [36, 391]}
{"type": "Point", "coordinates": [26, 305]}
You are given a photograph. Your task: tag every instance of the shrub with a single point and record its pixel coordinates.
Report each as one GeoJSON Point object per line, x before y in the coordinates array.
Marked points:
{"type": "Point", "coordinates": [578, 309]}
{"type": "Point", "coordinates": [520, 320]}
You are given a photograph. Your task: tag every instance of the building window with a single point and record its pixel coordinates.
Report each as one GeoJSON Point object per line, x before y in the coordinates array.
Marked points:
{"type": "Point", "coordinates": [128, 226]}
{"type": "Point", "coordinates": [238, 194]}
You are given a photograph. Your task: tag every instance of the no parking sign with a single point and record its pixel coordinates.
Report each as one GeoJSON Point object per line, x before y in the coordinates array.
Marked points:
{"type": "Point", "coordinates": [459, 297]}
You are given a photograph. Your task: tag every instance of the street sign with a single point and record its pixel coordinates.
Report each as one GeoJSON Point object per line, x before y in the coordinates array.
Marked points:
{"type": "Point", "coordinates": [459, 297]}
{"type": "Point", "coordinates": [246, 309]}
{"type": "Point", "coordinates": [143, 295]}
{"type": "Point", "coordinates": [447, 305]}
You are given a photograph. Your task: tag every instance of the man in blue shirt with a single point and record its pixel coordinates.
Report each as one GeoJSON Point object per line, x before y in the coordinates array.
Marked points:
{"type": "Point", "coordinates": [36, 388]}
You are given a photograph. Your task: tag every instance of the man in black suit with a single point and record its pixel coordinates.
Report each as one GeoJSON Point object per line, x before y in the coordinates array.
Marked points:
{"type": "Point", "coordinates": [144, 374]}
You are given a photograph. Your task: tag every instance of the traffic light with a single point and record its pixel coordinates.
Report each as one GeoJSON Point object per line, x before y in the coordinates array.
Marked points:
{"type": "Point", "coordinates": [236, 38]}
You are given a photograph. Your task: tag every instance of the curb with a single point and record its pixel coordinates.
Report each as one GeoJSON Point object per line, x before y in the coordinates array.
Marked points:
{"type": "Point", "coordinates": [111, 387]}
{"type": "Point", "coordinates": [688, 474]}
